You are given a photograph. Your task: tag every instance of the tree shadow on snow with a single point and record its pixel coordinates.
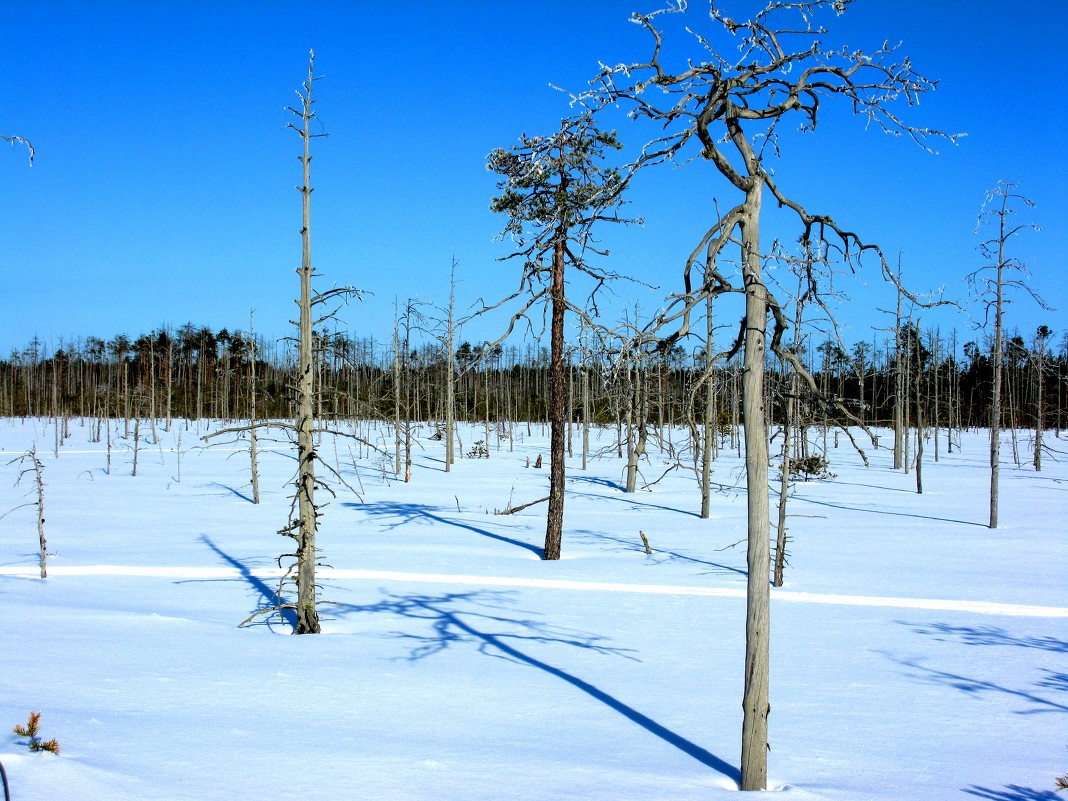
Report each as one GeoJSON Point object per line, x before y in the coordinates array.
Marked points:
{"type": "Point", "coordinates": [416, 513]}
{"type": "Point", "coordinates": [870, 486]}
{"type": "Point", "coordinates": [986, 635]}
{"type": "Point", "coordinates": [871, 511]}
{"type": "Point", "coordinates": [268, 595]}
{"type": "Point", "coordinates": [1012, 792]}
{"type": "Point", "coordinates": [468, 617]}
{"type": "Point", "coordinates": [662, 554]}
{"type": "Point", "coordinates": [231, 490]}
{"type": "Point", "coordinates": [978, 687]}
{"type": "Point", "coordinates": [598, 481]}
{"type": "Point", "coordinates": [627, 498]}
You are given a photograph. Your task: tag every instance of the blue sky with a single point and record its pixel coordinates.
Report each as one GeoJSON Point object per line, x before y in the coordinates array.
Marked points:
{"type": "Point", "coordinates": [163, 188]}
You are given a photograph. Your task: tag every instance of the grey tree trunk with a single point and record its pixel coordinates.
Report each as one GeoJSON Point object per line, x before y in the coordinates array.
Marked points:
{"type": "Point", "coordinates": [396, 392]}
{"type": "Point", "coordinates": [307, 613]}
{"type": "Point", "coordinates": [899, 381]}
{"type": "Point", "coordinates": [586, 366]}
{"type": "Point", "coordinates": [919, 414]}
{"type": "Point", "coordinates": [995, 404]}
{"type": "Point", "coordinates": [710, 420]}
{"type": "Point", "coordinates": [450, 375]}
{"type": "Point", "coordinates": [755, 706]}
{"type": "Point", "coordinates": [787, 435]}
{"type": "Point", "coordinates": [252, 450]}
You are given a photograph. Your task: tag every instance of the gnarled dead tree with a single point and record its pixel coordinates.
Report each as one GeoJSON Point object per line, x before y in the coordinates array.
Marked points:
{"type": "Point", "coordinates": [749, 76]}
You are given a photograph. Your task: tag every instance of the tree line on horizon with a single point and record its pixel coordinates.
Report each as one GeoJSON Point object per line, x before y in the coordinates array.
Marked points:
{"type": "Point", "coordinates": [196, 373]}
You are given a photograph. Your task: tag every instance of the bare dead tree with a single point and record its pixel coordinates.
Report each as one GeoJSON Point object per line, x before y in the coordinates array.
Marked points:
{"type": "Point", "coordinates": [253, 444]}
{"type": "Point", "coordinates": [305, 510]}
{"type": "Point", "coordinates": [449, 342]}
{"type": "Point", "coordinates": [554, 190]}
{"type": "Point", "coordinates": [302, 529]}
{"type": "Point", "coordinates": [725, 106]}
{"type": "Point", "coordinates": [36, 469]}
{"type": "Point", "coordinates": [990, 283]}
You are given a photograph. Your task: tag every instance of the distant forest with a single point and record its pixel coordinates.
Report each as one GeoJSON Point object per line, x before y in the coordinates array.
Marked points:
{"type": "Point", "coordinates": [196, 373]}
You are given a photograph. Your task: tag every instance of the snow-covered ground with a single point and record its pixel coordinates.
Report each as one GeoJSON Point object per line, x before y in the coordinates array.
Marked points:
{"type": "Point", "coordinates": [916, 654]}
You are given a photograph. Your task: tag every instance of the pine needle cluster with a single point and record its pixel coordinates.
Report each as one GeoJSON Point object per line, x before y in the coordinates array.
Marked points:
{"type": "Point", "coordinates": [30, 730]}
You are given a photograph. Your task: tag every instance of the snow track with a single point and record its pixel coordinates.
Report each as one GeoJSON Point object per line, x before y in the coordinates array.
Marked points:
{"type": "Point", "coordinates": [791, 596]}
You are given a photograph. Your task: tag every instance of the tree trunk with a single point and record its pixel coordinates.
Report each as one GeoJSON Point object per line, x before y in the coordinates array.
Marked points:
{"type": "Point", "coordinates": [1039, 380]}
{"type": "Point", "coordinates": [450, 376]}
{"type": "Point", "coordinates": [555, 519]}
{"type": "Point", "coordinates": [919, 415]}
{"type": "Point", "coordinates": [755, 707]}
{"type": "Point", "coordinates": [995, 405]}
{"type": "Point", "coordinates": [899, 381]}
{"type": "Point", "coordinates": [252, 450]}
{"type": "Point", "coordinates": [307, 614]}
{"type": "Point", "coordinates": [710, 420]}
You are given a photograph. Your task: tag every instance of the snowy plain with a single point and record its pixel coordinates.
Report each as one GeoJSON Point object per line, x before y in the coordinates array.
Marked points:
{"type": "Point", "coordinates": [916, 654]}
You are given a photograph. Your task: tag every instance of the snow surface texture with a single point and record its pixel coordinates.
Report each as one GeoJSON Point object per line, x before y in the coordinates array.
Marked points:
{"type": "Point", "coordinates": [915, 653]}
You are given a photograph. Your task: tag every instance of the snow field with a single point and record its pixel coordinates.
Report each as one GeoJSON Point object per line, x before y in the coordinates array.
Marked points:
{"type": "Point", "coordinates": [457, 665]}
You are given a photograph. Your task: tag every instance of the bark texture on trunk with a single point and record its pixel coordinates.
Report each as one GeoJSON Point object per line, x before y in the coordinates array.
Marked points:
{"type": "Point", "coordinates": [555, 519]}
{"type": "Point", "coordinates": [307, 614]}
{"type": "Point", "coordinates": [755, 707]}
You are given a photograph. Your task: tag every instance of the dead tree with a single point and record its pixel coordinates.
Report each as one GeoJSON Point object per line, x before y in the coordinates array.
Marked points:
{"type": "Point", "coordinates": [36, 468]}
{"type": "Point", "coordinates": [725, 106]}
{"type": "Point", "coordinates": [553, 191]}
{"type": "Point", "coordinates": [449, 347]}
{"type": "Point", "coordinates": [305, 510]}
{"type": "Point", "coordinates": [254, 467]}
{"type": "Point", "coordinates": [302, 529]}
{"type": "Point", "coordinates": [989, 283]}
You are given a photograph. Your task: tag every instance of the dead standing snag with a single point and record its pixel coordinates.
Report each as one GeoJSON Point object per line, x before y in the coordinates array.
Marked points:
{"type": "Point", "coordinates": [725, 106]}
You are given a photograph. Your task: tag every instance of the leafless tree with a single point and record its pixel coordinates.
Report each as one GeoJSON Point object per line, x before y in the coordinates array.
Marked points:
{"type": "Point", "coordinates": [989, 283]}
{"type": "Point", "coordinates": [302, 528]}
{"type": "Point", "coordinates": [36, 469]}
{"type": "Point", "coordinates": [305, 512]}
{"type": "Point", "coordinates": [725, 106]}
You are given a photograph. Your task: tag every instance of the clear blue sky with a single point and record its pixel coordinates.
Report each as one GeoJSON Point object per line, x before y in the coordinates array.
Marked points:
{"type": "Point", "coordinates": [163, 188]}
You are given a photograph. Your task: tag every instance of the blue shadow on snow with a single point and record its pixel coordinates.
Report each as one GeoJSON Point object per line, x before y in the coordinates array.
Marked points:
{"type": "Point", "coordinates": [421, 513]}
{"type": "Point", "coordinates": [269, 597]}
{"type": "Point", "coordinates": [450, 628]}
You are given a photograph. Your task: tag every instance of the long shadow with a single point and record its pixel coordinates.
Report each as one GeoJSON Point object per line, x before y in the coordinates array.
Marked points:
{"type": "Point", "coordinates": [1012, 792]}
{"type": "Point", "coordinates": [268, 596]}
{"type": "Point", "coordinates": [671, 556]}
{"type": "Point", "coordinates": [986, 635]}
{"type": "Point", "coordinates": [628, 498]}
{"type": "Point", "coordinates": [869, 510]}
{"type": "Point", "coordinates": [600, 482]}
{"type": "Point", "coordinates": [449, 628]}
{"type": "Point", "coordinates": [421, 513]}
{"type": "Point", "coordinates": [240, 495]}
{"type": "Point", "coordinates": [978, 686]}
{"type": "Point", "coordinates": [870, 486]}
